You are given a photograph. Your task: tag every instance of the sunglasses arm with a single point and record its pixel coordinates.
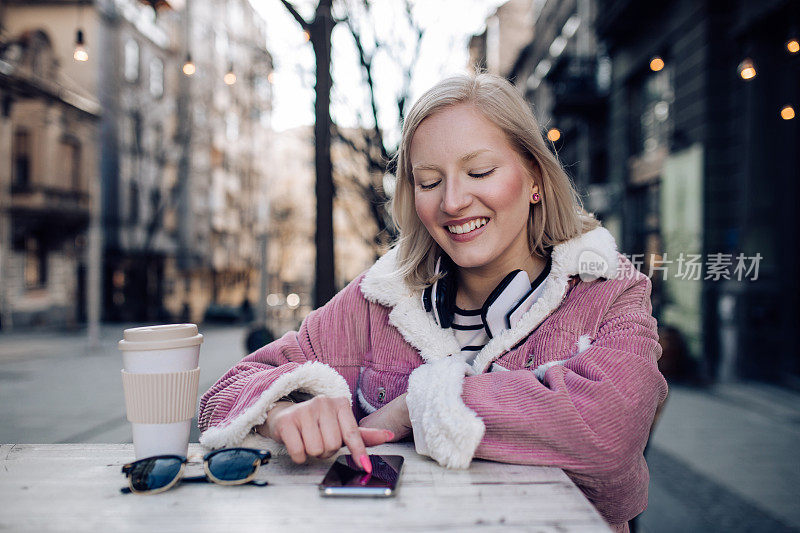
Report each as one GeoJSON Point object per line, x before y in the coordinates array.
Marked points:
{"type": "Point", "coordinates": [203, 479]}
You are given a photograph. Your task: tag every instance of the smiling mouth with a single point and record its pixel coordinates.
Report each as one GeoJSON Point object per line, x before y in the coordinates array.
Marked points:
{"type": "Point", "coordinates": [467, 227]}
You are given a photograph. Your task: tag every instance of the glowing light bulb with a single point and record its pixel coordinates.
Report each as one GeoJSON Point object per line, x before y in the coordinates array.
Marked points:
{"type": "Point", "coordinates": [553, 134]}
{"type": "Point", "coordinates": [80, 53]}
{"type": "Point", "coordinates": [787, 113]}
{"type": "Point", "coordinates": [793, 46]}
{"type": "Point", "coordinates": [293, 300]}
{"type": "Point", "coordinates": [188, 66]}
{"type": "Point", "coordinates": [656, 64]}
{"type": "Point", "coordinates": [747, 70]}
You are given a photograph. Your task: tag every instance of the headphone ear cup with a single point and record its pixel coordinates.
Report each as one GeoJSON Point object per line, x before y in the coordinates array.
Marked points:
{"type": "Point", "coordinates": [446, 300]}
{"type": "Point", "coordinates": [440, 310]}
{"type": "Point", "coordinates": [426, 298]}
{"type": "Point", "coordinates": [435, 302]}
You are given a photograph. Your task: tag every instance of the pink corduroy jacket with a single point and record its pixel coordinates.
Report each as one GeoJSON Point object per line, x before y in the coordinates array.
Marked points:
{"type": "Point", "coordinates": [573, 384]}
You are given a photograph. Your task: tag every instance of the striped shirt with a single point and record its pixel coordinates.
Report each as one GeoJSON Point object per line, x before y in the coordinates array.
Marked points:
{"type": "Point", "coordinates": [470, 326]}
{"type": "Point", "coordinates": [469, 331]}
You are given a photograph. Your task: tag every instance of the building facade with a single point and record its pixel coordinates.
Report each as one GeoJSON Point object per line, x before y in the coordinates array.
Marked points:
{"type": "Point", "coordinates": [552, 55]}
{"type": "Point", "coordinates": [228, 102]}
{"type": "Point", "coordinates": [138, 78]}
{"type": "Point", "coordinates": [179, 157]}
{"type": "Point", "coordinates": [708, 165]}
{"type": "Point", "coordinates": [49, 179]}
{"type": "Point", "coordinates": [676, 122]}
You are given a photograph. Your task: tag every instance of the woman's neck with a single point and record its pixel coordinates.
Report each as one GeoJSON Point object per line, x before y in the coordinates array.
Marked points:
{"type": "Point", "coordinates": [476, 284]}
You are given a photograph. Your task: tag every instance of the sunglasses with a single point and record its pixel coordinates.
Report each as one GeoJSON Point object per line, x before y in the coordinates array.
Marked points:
{"type": "Point", "coordinates": [228, 466]}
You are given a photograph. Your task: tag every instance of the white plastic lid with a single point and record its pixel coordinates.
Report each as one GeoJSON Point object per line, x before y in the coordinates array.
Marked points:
{"type": "Point", "coordinates": [160, 337]}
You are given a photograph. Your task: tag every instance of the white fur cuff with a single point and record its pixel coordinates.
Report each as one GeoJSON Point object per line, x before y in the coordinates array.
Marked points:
{"type": "Point", "coordinates": [313, 377]}
{"type": "Point", "coordinates": [444, 427]}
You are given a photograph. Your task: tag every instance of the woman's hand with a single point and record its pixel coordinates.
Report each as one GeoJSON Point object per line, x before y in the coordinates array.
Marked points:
{"type": "Point", "coordinates": [318, 428]}
{"type": "Point", "coordinates": [392, 416]}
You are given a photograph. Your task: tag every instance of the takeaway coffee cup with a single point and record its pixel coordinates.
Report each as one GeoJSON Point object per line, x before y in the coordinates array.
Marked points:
{"type": "Point", "coordinates": [160, 376]}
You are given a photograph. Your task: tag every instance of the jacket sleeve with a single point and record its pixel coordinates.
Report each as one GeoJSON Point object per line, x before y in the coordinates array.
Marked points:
{"type": "Point", "coordinates": [590, 414]}
{"type": "Point", "coordinates": [320, 359]}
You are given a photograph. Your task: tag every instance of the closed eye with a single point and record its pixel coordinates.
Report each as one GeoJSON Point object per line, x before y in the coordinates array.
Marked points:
{"type": "Point", "coordinates": [428, 186]}
{"type": "Point", "coordinates": [482, 174]}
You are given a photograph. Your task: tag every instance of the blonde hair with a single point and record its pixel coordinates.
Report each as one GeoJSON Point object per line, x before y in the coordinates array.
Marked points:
{"type": "Point", "coordinates": [558, 217]}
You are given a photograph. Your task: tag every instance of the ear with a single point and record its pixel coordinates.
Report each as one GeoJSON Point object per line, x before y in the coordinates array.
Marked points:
{"type": "Point", "coordinates": [535, 174]}
{"type": "Point", "coordinates": [534, 196]}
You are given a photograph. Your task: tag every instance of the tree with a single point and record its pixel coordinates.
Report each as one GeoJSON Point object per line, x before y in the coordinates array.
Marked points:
{"type": "Point", "coordinates": [359, 20]}
{"type": "Point", "coordinates": [372, 141]}
{"type": "Point", "coordinates": [319, 31]}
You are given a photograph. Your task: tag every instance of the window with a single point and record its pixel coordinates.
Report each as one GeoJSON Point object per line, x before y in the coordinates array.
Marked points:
{"type": "Point", "coordinates": [232, 126]}
{"type": "Point", "coordinates": [21, 158]}
{"type": "Point", "coordinates": [136, 131]}
{"type": "Point", "coordinates": [221, 44]}
{"type": "Point", "coordinates": [155, 207]}
{"type": "Point", "coordinates": [133, 204]}
{"type": "Point", "coordinates": [655, 120]}
{"type": "Point", "coordinates": [35, 264]}
{"type": "Point", "coordinates": [70, 163]}
{"type": "Point", "coordinates": [159, 151]}
{"type": "Point", "coordinates": [131, 69]}
{"type": "Point", "coordinates": [156, 77]}
{"type": "Point", "coordinates": [42, 59]}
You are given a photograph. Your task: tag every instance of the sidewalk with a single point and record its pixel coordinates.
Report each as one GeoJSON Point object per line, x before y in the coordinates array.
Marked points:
{"type": "Point", "coordinates": [26, 345]}
{"type": "Point", "coordinates": [725, 459]}
{"type": "Point", "coordinates": [54, 389]}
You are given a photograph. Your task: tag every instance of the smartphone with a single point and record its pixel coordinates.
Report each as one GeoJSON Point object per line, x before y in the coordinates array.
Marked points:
{"type": "Point", "coordinates": [345, 478]}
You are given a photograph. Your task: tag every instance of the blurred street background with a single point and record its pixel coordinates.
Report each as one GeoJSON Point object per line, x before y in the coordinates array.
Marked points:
{"type": "Point", "coordinates": [226, 162]}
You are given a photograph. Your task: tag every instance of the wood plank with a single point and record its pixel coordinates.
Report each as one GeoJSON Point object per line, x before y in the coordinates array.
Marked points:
{"type": "Point", "coordinates": [76, 487]}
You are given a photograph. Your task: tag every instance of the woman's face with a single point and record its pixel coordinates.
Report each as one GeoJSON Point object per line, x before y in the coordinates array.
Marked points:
{"type": "Point", "coordinates": [471, 190]}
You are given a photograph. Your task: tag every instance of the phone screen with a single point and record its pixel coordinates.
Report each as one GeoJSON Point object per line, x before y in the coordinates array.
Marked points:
{"type": "Point", "coordinates": [345, 478]}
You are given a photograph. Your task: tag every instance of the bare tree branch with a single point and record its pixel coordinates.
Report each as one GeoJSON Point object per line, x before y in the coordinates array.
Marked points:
{"type": "Point", "coordinates": [369, 238]}
{"type": "Point", "coordinates": [366, 64]}
{"type": "Point", "coordinates": [297, 16]}
{"type": "Point", "coordinates": [371, 191]}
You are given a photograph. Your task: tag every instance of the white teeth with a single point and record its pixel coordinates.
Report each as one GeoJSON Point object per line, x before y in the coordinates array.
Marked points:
{"type": "Point", "coordinates": [472, 225]}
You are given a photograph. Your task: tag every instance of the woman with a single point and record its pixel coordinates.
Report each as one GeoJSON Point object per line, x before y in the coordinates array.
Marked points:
{"type": "Point", "coordinates": [503, 325]}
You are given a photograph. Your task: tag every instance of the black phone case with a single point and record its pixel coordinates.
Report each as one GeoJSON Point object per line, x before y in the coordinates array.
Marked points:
{"type": "Point", "coordinates": [345, 478]}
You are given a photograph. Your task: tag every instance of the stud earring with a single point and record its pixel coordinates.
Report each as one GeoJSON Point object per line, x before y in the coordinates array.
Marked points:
{"type": "Point", "coordinates": [535, 197]}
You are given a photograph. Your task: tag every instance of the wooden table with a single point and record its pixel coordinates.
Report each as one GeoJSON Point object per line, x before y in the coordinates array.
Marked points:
{"type": "Point", "coordinates": [75, 487]}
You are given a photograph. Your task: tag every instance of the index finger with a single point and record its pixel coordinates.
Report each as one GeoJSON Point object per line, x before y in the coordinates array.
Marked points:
{"type": "Point", "coordinates": [352, 436]}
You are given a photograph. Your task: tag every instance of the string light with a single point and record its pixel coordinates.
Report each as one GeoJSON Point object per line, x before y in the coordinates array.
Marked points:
{"type": "Point", "coordinates": [747, 70]}
{"type": "Point", "coordinates": [656, 64]}
{"type": "Point", "coordinates": [793, 46]}
{"type": "Point", "coordinates": [80, 53]}
{"type": "Point", "coordinates": [787, 113]}
{"type": "Point", "coordinates": [188, 66]}
{"type": "Point", "coordinates": [230, 77]}
{"type": "Point", "coordinates": [553, 134]}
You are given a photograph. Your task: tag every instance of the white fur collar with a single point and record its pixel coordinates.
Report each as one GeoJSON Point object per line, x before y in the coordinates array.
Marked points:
{"type": "Point", "coordinates": [591, 255]}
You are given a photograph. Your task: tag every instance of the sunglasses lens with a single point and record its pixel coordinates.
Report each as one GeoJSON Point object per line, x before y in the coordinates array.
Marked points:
{"type": "Point", "coordinates": [155, 473]}
{"type": "Point", "coordinates": [232, 465]}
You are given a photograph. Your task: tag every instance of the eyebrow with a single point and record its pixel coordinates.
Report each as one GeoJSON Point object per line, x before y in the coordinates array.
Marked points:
{"type": "Point", "coordinates": [464, 159]}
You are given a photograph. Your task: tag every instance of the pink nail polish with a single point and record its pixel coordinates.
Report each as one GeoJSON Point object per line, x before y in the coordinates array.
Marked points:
{"type": "Point", "coordinates": [391, 435]}
{"type": "Point", "coordinates": [366, 463]}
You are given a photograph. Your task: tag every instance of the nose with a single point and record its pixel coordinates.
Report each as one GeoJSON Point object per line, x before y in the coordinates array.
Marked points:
{"type": "Point", "coordinates": [456, 196]}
